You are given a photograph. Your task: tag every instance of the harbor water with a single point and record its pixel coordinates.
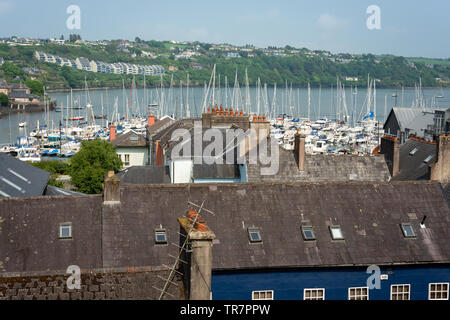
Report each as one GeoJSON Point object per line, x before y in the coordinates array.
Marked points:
{"type": "Point", "coordinates": [180, 102]}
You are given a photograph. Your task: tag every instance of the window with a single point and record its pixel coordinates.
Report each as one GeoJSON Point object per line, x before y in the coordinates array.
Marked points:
{"type": "Point", "coordinates": [314, 294]}
{"type": "Point", "coordinates": [400, 291]}
{"type": "Point", "coordinates": [134, 138]}
{"type": "Point", "coordinates": [361, 293]}
{"type": "Point", "coordinates": [127, 160]}
{"type": "Point", "coordinates": [308, 233]}
{"type": "Point", "coordinates": [428, 159]}
{"type": "Point", "coordinates": [160, 236]}
{"type": "Point", "coordinates": [65, 230]}
{"type": "Point", "coordinates": [254, 234]}
{"type": "Point", "coordinates": [408, 231]}
{"type": "Point", "coordinates": [336, 233]}
{"type": "Point", "coordinates": [413, 151]}
{"type": "Point", "coordinates": [262, 295]}
{"type": "Point", "coordinates": [438, 291]}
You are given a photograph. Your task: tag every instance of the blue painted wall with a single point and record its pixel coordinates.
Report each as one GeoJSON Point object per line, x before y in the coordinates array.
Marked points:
{"type": "Point", "coordinates": [289, 285]}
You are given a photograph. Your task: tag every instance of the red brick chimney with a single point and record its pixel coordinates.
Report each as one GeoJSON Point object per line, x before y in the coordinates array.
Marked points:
{"type": "Point", "coordinates": [112, 133]}
{"type": "Point", "coordinates": [151, 120]}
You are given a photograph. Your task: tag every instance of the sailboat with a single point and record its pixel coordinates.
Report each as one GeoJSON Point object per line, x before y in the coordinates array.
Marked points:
{"type": "Point", "coordinates": [441, 95]}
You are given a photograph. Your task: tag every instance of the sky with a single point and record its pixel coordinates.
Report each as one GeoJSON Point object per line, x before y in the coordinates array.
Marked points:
{"type": "Point", "coordinates": [414, 28]}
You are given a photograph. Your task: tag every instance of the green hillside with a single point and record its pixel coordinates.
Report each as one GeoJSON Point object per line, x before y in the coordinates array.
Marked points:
{"type": "Point", "coordinates": [271, 65]}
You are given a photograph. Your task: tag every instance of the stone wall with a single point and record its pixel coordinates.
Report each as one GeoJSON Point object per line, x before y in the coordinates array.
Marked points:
{"type": "Point", "coordinates": [99, 284]}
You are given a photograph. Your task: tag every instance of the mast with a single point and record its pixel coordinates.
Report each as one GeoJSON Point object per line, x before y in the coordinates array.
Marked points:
{"type": "Point", "coordinates": [309, 102]}
{"type": "Point", "coordinates": [385, 106]}
{"type": "Point", "coordinates": [274, 99]}
{"type": "Point", "coordinates": [226, 92]}
{"type": "Point", "coordinates": [320, 97]}
{"type": "Point", "coordinates": [71, 104]}
{"type": "Point", "coordinates": [129, 101]}
{"type": "Point", "coordinates": [374, 99]}
{"type": "Point", "coordinates": [258, 98]}
{"type": "Point", "coordinates": [188, 111]}
{"type": "Point", "coordinates": [214, 86]}
{"type": "Point", "coordinates": [247, 91]}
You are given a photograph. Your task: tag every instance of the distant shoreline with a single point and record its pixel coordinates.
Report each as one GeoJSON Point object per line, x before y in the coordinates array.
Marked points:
{"type": "Point", "coordinates": [252, 86]}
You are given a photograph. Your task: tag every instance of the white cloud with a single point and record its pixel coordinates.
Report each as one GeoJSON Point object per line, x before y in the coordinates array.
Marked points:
{"type": "Point", "coordinates": [329, 22]}
{"type": "Point", "coordinates": [6, 6]}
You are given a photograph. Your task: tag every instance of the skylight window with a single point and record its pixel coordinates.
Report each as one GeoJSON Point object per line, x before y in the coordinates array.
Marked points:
{"type": "Point", "coordinates": [308, 233]}
{"type": "Point", "coordinates": [254, 235]}
{"type": "Point", "coordinates": [336, 233]}
{"type": "Point", "coordinates": [428, 159]}
{"type": "Point", "coordinates": [134, 138]}
{"type": "Point", "coordinates": [160, 236]}
{"type": "Point", "coordinates": [65, 230]}
{"type": "Point", "coordinates": [408, 231]}
{"type": "Point", "coordinates": [413, 151]}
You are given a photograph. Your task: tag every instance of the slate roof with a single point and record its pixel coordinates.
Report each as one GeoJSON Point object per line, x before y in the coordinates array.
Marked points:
{"type": "Point", "coordinates": [322, 168]}
{"type": "Point", "coordinates": [216, 171]}
{"type": "Point", "coordinates": [175, 150]}
{"type": "Point", "coordinates": [145, 175]}
{"type": "Point", "coordinates": [447, 193]}
{"type": "Point", "coordinates": [412, 167]}
{"type": "Point", "coordinates": [420, 123]}
{"type": "Point", "coordinates": [369, 215]}
{"type": "Point", "coordinates": [158, 125]}
{"type": "Point", "coordinates": [165, 133]}
{"type": "Point", "coordinates": [22, 94]}
{"type": "Point", "coordinates": [130, 139]}
{"type": "Point", "coordinates": [20, 179]}
{"type": "Point", "coordinates": [405, 116]}
{"type": "Point", "coordinates": [55, 191]}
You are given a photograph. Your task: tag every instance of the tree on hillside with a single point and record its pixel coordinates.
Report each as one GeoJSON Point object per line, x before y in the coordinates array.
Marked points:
{"type": "Point", "coordinates": [3, 99]}
{"type": "Point", "coordinates": [90, 165]}
{"type": "Point", "coordinates": [36, 87]}
{"type": "Point", "coordinates": [10, 70]}
{"type": "Point", "coordinates": [74, 37]}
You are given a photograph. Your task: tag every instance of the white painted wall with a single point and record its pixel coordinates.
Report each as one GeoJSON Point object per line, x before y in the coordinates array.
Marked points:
{"type": "Point", "coordinates": [138, 156]}
{"type": "Point", "coordinates": [181, 171]}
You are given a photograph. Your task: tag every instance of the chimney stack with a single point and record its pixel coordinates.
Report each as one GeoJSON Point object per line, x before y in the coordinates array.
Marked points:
{"type": "Point", "coordinates": [390, 147]}
{"type": "Point", "coordinates": [198, 270]}
{"type": "Point", "coordinates": [151, 120]}
{"type": "Point", "coordinates": [111, 193]}
{"type": "Point", "coordinates": [440, 171]}
{"type": "Point", "coordinates": [300, 150]}
{"type": "Point", "coordinates": [112, 132]}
